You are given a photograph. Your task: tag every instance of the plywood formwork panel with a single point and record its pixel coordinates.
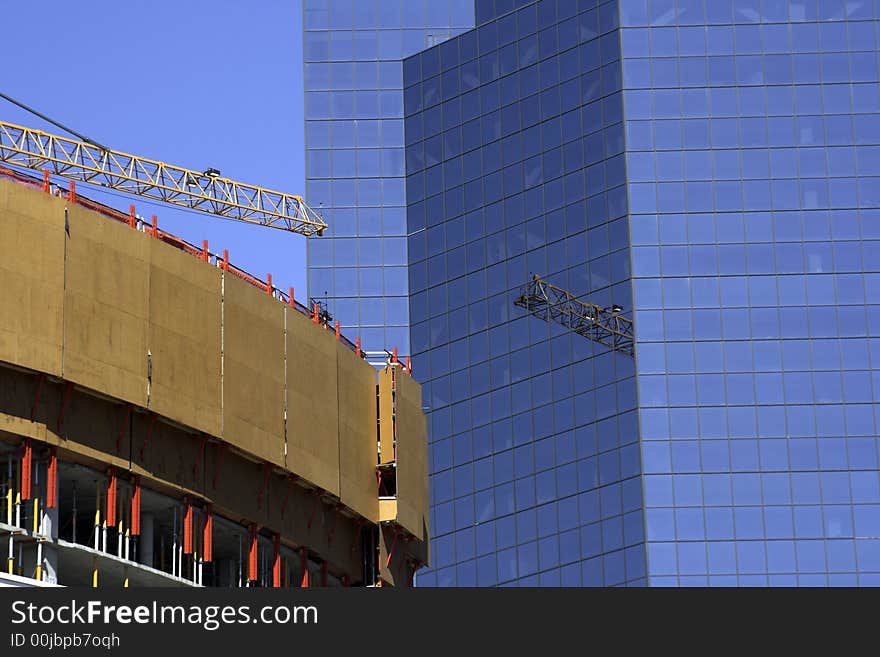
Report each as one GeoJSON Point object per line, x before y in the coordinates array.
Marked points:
{"type": "Point", "coordinates": [412, 457]}
{"type": "Point", "coordinates": [393, 567]}
{"type": "Point", "coordinates": [253, 370]}
{"type": "Point", "coordinates": [31, 277]}
{"type": "Point", "coordinates": [184, 338]}
{"type": "Point", "coordinates": [312, 394]}
{"type": "Point", "coordinates": [39, 203]}
{"type": "Point", "coordinates": [386, 415]}
{"type": "Point", "coordinates": [358, 453]}
{"type": "Point", "coordinates": [106, 305]}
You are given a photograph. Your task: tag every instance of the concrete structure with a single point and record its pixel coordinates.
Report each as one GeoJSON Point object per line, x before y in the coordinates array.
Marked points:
{"type": "Point", "coordinates": [166, 419]}
{"type": "Point", "coordinates": [711, 167]}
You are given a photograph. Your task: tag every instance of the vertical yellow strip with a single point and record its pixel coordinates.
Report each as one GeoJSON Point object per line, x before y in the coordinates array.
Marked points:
{"type": "Point", "coordinates": [9, 505]}
{"type": "Point", "coordinates": [18, 494]}
{"type": "Point", "coordinates": [36, 515]}
{"type": "Point", "coordinates": [125, 578]}
{"type": "Point", "coordinates": [94, 572]}
{"type": "Point", "coordinates": [97, 515]}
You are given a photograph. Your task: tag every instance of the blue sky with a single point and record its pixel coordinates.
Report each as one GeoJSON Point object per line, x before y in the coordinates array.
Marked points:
{"type": "Point", "coordinates": [194, 83]}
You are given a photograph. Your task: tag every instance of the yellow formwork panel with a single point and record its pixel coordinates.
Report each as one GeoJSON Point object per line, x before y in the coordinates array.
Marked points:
{"type": "Point", "coordinates": [31, 277]}
{"type": "Point", "coordinates": [253, 370]}
{"type": "Point", "coordinates": [393, 567]}
{"type": "Point", "coordinates": [412, 457]}
{"type": "Point", "coordinates": [358, 452]}
{"type": "Point", "coordinates": [184, 338]}
{"type": "Point", "coordinates": [312, 394]}
{"type": "Point", "coordinates": [14, 195]}
{"type": "Point", "coordinates": [386, 415]}
{"type": "Point", "coordinates": [106, 305]}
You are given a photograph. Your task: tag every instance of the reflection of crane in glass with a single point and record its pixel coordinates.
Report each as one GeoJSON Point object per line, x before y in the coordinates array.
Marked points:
{"type": "Point", "coordinates": [603, 325]}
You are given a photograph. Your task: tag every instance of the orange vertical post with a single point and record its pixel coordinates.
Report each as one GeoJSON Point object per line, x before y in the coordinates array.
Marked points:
{"type": "Point", "coordinates": [65, 400]}
{"type": "Point", "coordinates": [391, 550]}
{"type": "Point", "coordinates": [338, 333]}
{"type": "Point", "coordinates": [290, 298]}
{"type": "Point", "coordinates": [252, 553]}
{"type": "Point", "coordinates": [394, 355]}
{"type": "Point", "coordinates": [52, 480]}
{"type": "Point", "coordinates": [225, 260]}
{"type": "Point", "coordinates": [111, 498]}
{"type": "Point", "coordinates": [304, 566]}
{"type": "Point", "coordinates": [357, 346]}
{"type": "Point", "coordinates": [46, 180]}
{"type": "Point", "coordinates": [408, 366]}
{"type": "Point", "coordinates": [187, 526]}
{"type": "Point", "coordinates": [276, 560]}
{"type": "Point", "coordinates": [205, 255]}
{"type": "Point", "coordinates": [154, 231]}
{"type": "Point", "coordinates": [132, 221]}
{"type": "Point", "coordinates": [291, 482]}
{"type": "Point", "coordinates": [208, 534]}
{"type": "Point", "coordinates": [136, 506]}
{"type": "Point", "coordinates": [268, 283]}
{"type": "Point", "coordinates": [200, 459]}
{"type": "Point", "coordinates": [41, 380]}
{"type": "Point", "coordinates": [27, 460]}
{"type": "Point", "coordinates": [315, 313]}
{"type": "Point", "coordinates": [72, 195]}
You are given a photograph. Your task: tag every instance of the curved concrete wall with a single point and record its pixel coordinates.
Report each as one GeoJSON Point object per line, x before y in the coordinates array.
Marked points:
{"type": "Point", "coordinates": [148, 324]}
{"type": "Point", "coordinates": [113, 310]}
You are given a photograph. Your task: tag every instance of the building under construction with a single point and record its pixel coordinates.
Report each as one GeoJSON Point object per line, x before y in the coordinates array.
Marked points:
{"type": "Point", "coordinates": [168, 420]}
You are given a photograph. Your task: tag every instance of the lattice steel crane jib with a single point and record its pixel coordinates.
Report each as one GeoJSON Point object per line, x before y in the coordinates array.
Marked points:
{"type": "Point", "coordinates": [88, 161]}
{"type": "Point", "coordinates": [606, 326]}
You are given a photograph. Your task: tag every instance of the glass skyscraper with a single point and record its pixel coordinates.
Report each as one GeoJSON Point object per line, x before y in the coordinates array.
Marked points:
{"type": "Point", "coordinates": [712, 167]}
{"type": "Point", "coordinates": [355, 157]}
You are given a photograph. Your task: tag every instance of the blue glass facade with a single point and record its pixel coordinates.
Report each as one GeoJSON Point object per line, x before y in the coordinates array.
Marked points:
{"type": "Point", "coordinates": [515, 165]}
{"type": "Point", "coordinates": [355, 157]}
{"type": "Point", "coordinates": [752, 132]}
{"type": "Point", "coordinates": [487, 10]}
{"type": "Point", "coordinates": [712, 166]}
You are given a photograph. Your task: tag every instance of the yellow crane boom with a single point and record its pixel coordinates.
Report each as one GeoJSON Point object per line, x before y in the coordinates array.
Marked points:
{"type": "Point", "coordinates": [204, 191]}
